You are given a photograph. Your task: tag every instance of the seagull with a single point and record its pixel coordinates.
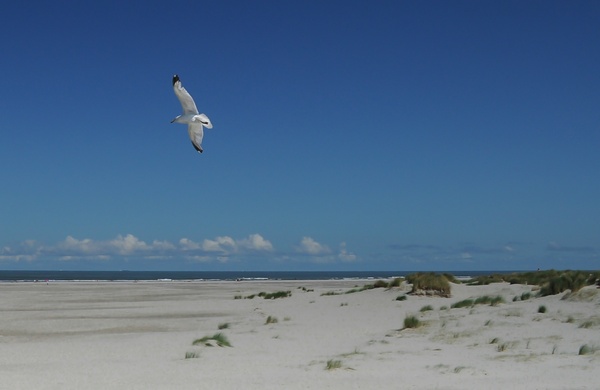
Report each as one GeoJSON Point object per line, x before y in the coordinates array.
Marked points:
{"type": "Point", "coordinates": [190, 116]}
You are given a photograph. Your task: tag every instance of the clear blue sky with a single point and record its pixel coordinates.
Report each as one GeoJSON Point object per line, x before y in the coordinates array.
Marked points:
{"type": "Point", "coordinates": [348, 135]}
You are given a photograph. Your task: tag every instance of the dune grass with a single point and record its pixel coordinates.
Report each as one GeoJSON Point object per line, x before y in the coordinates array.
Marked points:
{"type": "Point", "coordinates": [271, 320]}
{"type": "Point", "coordinates": [411, 322]}
{"type": "Point", "coordinates": [396, 282]}
{"type": "Point", "coordinates": [551, 281]}
{"type": "Point", "coordinates": [587, 350]}
{"type": "Point", "coordinates": [542, 309]}
{"type": "Point", "coordinates": [266, 295]}
{"type": "Point", "coordinates": [484, 300]}
{"type": "Point", "coordinates": [192, 355]}
{"type": "Point", "coordinates": [275, 295]}
{"type": "Point", "coordinates": [463, 303]}
{"type": "Point", "coordinates": [586, 324]}
{"type": "Point", "coordinates": [333, 364]}
{"type": "Point", "coordinates": [426, 308]}
{"type": "Point", "coordinates": [218, 338]}
{"type": "Point", "coordinates": [429, 281]}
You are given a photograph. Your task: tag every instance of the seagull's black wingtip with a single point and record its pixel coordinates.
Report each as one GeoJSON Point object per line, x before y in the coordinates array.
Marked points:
{"type": "Point", "coordinates": [175, 79]}
{"type": "Point", "coordinates": [198, 149]}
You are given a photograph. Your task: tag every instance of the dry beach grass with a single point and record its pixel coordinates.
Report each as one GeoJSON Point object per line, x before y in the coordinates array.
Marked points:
{"type": "Point", "coordinates": [141, 335]}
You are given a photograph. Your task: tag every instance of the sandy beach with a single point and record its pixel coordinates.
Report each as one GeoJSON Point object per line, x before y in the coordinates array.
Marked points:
{"type": "Point", "coordinates": [126, 335]}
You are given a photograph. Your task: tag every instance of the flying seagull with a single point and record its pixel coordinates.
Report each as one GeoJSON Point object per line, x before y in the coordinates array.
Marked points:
{"type": "Point", "coordinates": [190, 116]}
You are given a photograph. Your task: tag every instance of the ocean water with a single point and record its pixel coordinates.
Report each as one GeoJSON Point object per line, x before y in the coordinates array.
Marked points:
{"type": "Point", "coordinates": [21, 276]}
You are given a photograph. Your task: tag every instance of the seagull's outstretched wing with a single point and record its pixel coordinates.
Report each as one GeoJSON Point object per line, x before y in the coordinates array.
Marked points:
{"type": "Point", "coordinates": [196, 133]}
{"type": "Point", "coordinates": [189, 107]}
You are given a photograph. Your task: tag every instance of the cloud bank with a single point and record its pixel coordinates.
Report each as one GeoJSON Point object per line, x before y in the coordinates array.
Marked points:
{"type": "Point", "coordinates": [220, 249]}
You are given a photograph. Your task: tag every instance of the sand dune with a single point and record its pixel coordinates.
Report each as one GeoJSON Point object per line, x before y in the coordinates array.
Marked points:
{"type": "Point", "coordinates": [83, 335]}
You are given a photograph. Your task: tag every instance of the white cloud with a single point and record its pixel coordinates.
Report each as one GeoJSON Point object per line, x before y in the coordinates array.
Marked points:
{"type": "Point", "coordinates": [71, 244]}
{"type": "Point", "coordinates": [128, 245]}
{"type": "Point", "coordinates": [256, 242]}
{"type": "Point", "coordinates": [344, 255]}
{"type": "Point", "coordinates": [223, 244]}
{"type": "Point", "coordinates": [311, 247]}
{"type": "Point", "coordinates": [187, 244]}
{"type": "Point", "coordinates": [227, 245]}
{"type": "Point", "coordinates": [218, 249]}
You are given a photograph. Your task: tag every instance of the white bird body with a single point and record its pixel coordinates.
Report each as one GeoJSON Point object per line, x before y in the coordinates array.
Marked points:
{"type": "Point", "coordinates": [190, 116]}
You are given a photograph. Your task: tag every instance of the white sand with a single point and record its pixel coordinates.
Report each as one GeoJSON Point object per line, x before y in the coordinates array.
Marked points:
{"type": "Point", "coordinates": [121, 335]}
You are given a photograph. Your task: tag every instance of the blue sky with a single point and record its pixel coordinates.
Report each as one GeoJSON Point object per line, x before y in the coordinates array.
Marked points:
{"type": "Point", "coordinates": [348, 135]}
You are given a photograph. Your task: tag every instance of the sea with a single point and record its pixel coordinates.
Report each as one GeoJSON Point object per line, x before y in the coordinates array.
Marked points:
{"type": "Point", "coordinates": [124, 276]}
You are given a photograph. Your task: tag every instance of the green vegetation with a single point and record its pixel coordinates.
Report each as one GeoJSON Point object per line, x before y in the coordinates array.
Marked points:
{"type": "Point", "coordinates": [411, 322]}
{"type": "Point", "coordinates": [192, 355]}
{"type": "Point", "coordinates": [426, 308]}
{"type": "Point", "coordinates": [463, 303]}
{"type": "Point", "coordinates": [401, 298]}
{"type": "Point", "coordinates": [570, 280]}
{"type": "Point", "coordinates": [502, 347]}
{"type": "Point", "coordinates": [359, 289]}
{"type": "Point", "coordinates": [587, 324]}
{"type": "Point", "coordinates": [542, 309]}
{"type": "Point", "coordinates": [429, 281]}
{"type": "Point", "coordinates": [525, 296]}
{"type": "Point", "coordinates": [551, 281]}
{"type": "Point", "coordinates": [587, 350]}
{"type": "Point", "coordinates": [224, 325]}
{"type": "Point", "coordinates": [484, 300]}
{"type": "Point", "coordinates": [275, 295]}
{"type": "Point", "coordinates": [218, 338]}
{"type": "Point", "coordinates": [333, 364]}
{"type": "Point", "coordinates": [265, 295]}
{"type": "Point", "coordinates": [380, 284]}
{"type": "Point", "coordinates": [271, 320]}
{"type": "Point", "coordinates": [396, 282]}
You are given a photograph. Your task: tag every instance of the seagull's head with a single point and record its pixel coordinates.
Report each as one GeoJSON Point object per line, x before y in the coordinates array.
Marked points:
{"type": "Point", "coordinates": [175, 79]}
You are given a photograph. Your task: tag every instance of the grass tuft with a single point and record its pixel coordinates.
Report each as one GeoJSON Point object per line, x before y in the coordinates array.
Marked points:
{"type": "Point", "coordinates": [192, 355]}
{"type": "Point", "coordinates": [426, 308]}
{"type": "Point", "coordinates": [271, 320]}
{"type": "Point", "coordinates": [275, 295]}
{"type": "Point", "coordinates": [218, 338]}
{"type": "Point", "coordinates": [484, 300]}
{"type": "Point", "coordinates": [333, 364]}
{"type": "Point", "coordinates": [411, 322]}
{"type": "Point", "coordinates": [586, 324]}
{"type": "Point", "coordinates": [542, 309]}
{"type": "Point", "coordinates": [463, 303]}
{"type": "Point", "coordinates": [586, 350]}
